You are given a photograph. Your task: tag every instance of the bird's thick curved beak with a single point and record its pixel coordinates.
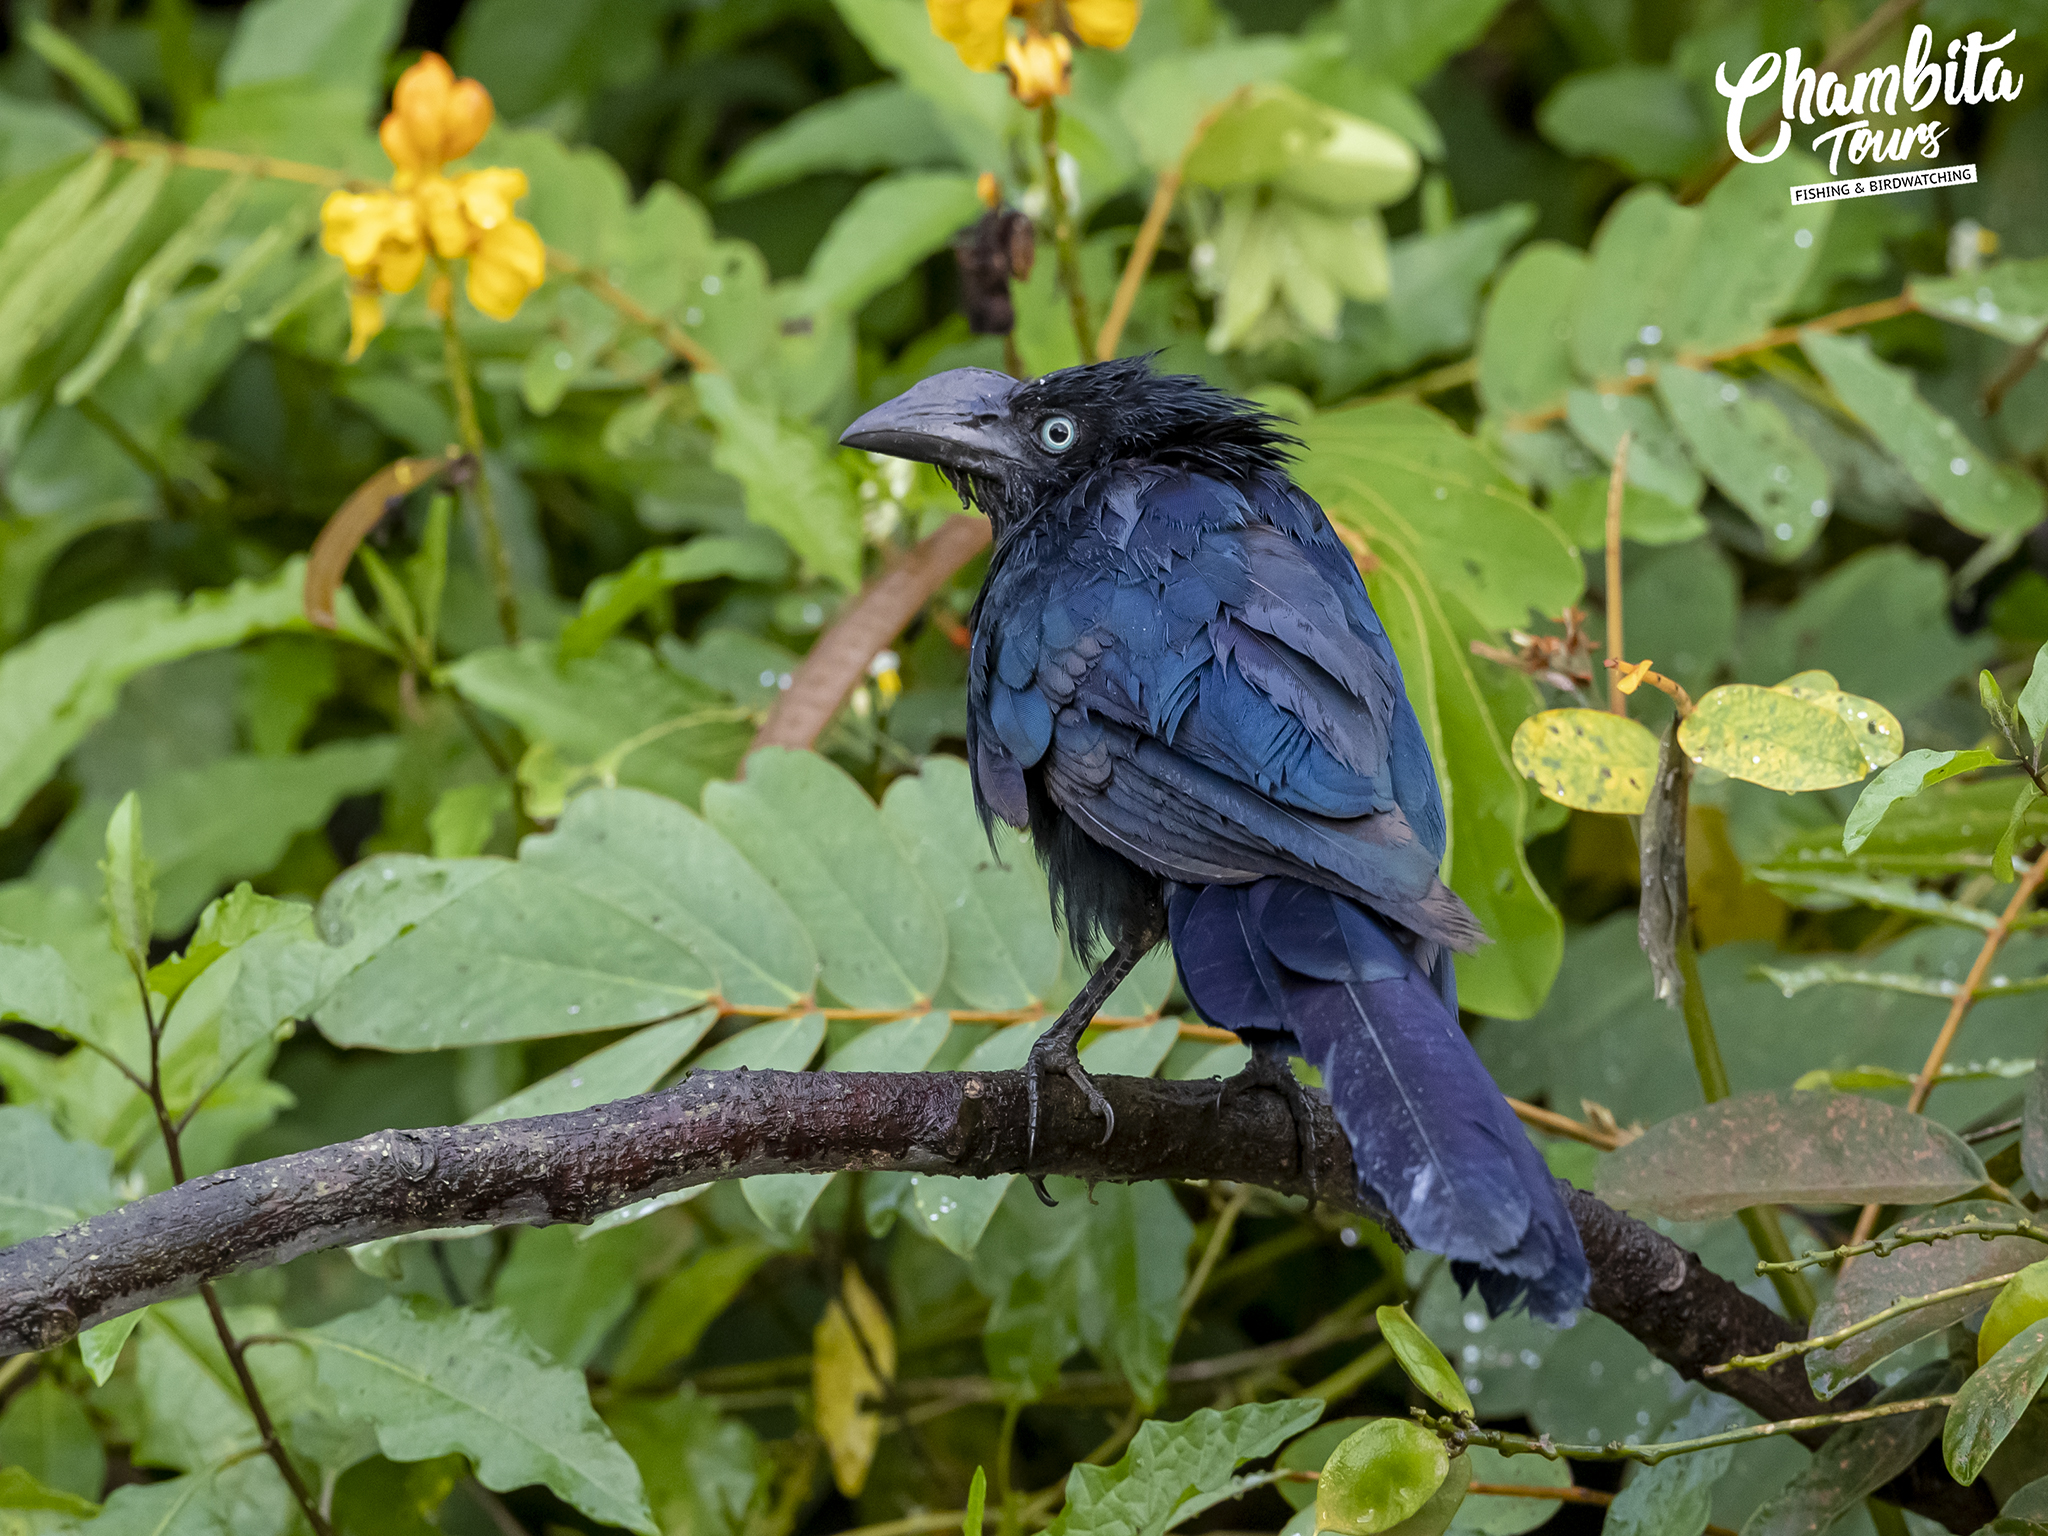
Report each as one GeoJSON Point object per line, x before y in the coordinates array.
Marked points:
{"type": "Point", "coordinates": [959, 420]}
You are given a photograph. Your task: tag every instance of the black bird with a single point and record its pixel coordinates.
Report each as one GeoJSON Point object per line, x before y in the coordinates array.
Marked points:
{"type": "Point", "coordinates": [1178, 684]}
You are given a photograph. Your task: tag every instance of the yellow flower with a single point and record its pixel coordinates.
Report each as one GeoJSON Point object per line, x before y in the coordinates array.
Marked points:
{"type": "Point", "coordinates": [507, 264]}
{"type": "Point", "coordinates": [434, 118]}
{"type": "Point", "coordinates": [365, 317]}
{"type": "Point", "coordinates": [1039, 65]}
{"type": "Point", "coordinates": [973, 27]}
{"type": "Point", "coordinates": [979, 33]}
{"type": "Point", "coordinates": [1103, 23]}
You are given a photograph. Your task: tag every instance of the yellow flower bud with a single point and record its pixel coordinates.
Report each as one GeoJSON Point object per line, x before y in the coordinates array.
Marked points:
{"type": "Point", "coordinates": [365, 317]}
{"type": "Point", "coordinates": [973, 27]}
{"type": "Point", "coordinates": [1103, 23]}
{"type": "Point", "coordinates": [508, 263]}
{"type": "Point", "coordinates": [1039, 65]}
{"type": "Point", "coordinates": [434, 117]}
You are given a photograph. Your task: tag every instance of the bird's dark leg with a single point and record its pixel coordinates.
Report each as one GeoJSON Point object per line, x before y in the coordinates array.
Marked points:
{"type": "Point", "coordinates": [1269, 1069]}
{"type": "Point", "coordinates": [1055, 1053]}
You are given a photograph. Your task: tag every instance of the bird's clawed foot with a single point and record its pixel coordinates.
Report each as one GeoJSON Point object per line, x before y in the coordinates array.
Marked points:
{"type": "Point", "coordinates": [1270, 1070]}
{"type": "Point", "coordinates": [1054, 1056]}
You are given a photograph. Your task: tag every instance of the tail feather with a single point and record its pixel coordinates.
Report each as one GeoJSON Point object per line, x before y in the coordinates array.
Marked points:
{"type": "Point", "coordinates": [1435, 1143]}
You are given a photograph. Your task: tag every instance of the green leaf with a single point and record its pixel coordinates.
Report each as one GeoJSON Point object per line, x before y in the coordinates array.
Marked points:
{"type": "Point", "coordinates": [1675, 1497]}
{"type": "Point", "coordinates": [1409, 39]}
{"type": "Point", "coordinates": [37, 987]}
{"type": "Point", "coordinates": [977, 1495]}
{"type": "Point", "coordinates": [823, 845]}
{"type": "Point", "coordinates": [130, 894]}
{"type": "Point", "coordinates": [689, 1301]}
{"type": "Point", "coordinates": [1399, 469]}
{"type": "Point", "coordinates": [953, 1211]}
{"type": "Point", "coordinates": [1973, 491]}
{"type": "Point", "coordinates": [1170, 1464]}
{"type": "Point", "coordinates": [2008, 300]}
{"type": "Point", "coordinates": [2010, 841]}
{"type": "Point", "coordinates": [1991, 1401]}
{"type": "Point", "coordinates": [1647, 517]}
{"type": "Point", "coordinates": [1624, 321]}
{"type": "Point", "coordinates": [793, 484]}
{"type": "Point", "coordinates": [20, 1491]}
{"type": "Point", "coordinates": [2033, 701]}
{"type": "Point", "coordinates": [704, 1471]}
{"type": "Point", "coordinates": [662, 731]}
{"type": "Point", "coordinates": [1379, 1477]}
{"type": "Point", "coordinates": [1002, 950]}
{"type": "Point", "coordinates": [1874, 1282]}
{"type": "Point", "coordinates": [1640, 116]}
{"type": "Point", "coordinates": [1422, 1360]}
{"type": "Point", "coordinates": [1272, 134]}
{"type": "Point", "coordinates": [1788, 1148]}
{"type": "Point", "coordinates": [1771, 737]}
{"type": "Point", "coordinates": [108, 93]}
{"type": "Point", "coordinates": [1752, 256]}
{"type": "Point", "coordinates": [1750, 451]}
{"type": "Point", "coordinates": [43, 297]}
{"type": "Point", "coordinates": [975, 108]}
{"type": "Point", "coordinates": [45, 1432]}
{"type": "Point", "coordinates": [892, 224]}
{"type": "Point", "coordinates": [1658, 459]}
{"type": "Point", "coordinates": [195, 1416]}
{"type": "Point", "coordinates": [669, 869]}
{"type": "Point", "coordinates": [1167, 96]}
{"type": "Point", "coordinates": [870, 128]}
{"type": "Point", "coordinates": [1915, 771]}
{"type": "Point", "coordinates": [1525, 358]}
{"type": "Point", "coordinates": [1589, 759]}
{"type": "Point", "coordinates": [516, 955]}
{"type": "Point", "coordinates": [568, 1289]}
{"type": "Point", "coordinates": [99, 1347]}
{"type": "Point", "coordinates": [434, 1382]}
{"type": "Point", "coordinates": [610, 602]}
{"type": "Point", "coordinates": [619, 1071]}
{"type": "Point", "coordinates": [68, 677]}
{"type": "Point", "coordinates": [2021, 1302]}
{"type": "Point", "coordinates": [338, 44]}
{"type": "Point", "coordinates": [1496, 1514]}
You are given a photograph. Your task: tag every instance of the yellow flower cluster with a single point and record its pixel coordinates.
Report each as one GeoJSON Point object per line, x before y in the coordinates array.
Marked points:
{"type": "Point", "coordinates": [1040, 59]}
{"type": "Point", "coordinates": [384, 237]}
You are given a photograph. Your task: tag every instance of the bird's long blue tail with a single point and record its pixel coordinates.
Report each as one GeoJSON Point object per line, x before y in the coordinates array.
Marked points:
{"type": "Point", "coordinates": [1435, 1143]}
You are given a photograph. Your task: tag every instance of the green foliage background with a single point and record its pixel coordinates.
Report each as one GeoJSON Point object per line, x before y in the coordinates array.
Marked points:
{"type": "Point", "coordinates": [407, 872]}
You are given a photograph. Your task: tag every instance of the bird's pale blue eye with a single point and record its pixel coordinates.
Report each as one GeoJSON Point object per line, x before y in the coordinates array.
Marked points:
{"type": "Point", "coordinates": [1056, 433]}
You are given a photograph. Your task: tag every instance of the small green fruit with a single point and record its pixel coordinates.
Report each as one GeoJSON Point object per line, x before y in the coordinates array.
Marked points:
{"type": "Point", "coordinates": [1380, 1477]}
{"type": "Point", "coordinates": [2023, 1303]}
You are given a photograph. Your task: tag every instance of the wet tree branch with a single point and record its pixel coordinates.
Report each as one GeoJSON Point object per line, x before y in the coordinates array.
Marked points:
{"type": "Point", "coordinates": [720, 1125]}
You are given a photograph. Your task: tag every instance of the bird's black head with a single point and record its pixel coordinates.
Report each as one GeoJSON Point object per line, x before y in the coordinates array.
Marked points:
{"type": "Point", "coordinates": [1012, 446]}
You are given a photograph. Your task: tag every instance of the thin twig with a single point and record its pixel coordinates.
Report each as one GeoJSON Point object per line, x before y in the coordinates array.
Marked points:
{"type": "Point", "coordinates": [1892, 1242]}
{"type": "Point", "coordinates": [1063, 228]}
{"type": "Point", "coordinates": [2017, 367]}
{"type": "Point", "coordinates": [1617, 479]}
{"type": "Point", "coordinates": [679, 342]}
{"type": "Point", "coordinates": [1930, 1072]}
{"type": "Point", "coordinates": [1463, 1432]}
{"type": "Point", "coordinates": [455, 358]}
{"type": "Point", "coordinates": [1563, 1125]}
{"type": "Point", "coordinates": [1846, 52]}
{"type": "Point", "coordinates": [1571, 1493]}
{"type": "Point", "coordinates": [1219, 1240]}
{"type": "Point", "coordinates": [266, 167]}
{"type": "Point", "coordinates": [1899, 1308]}
{"type": "Point", "coordinates": [1146, 246]}
{"type": "Point", "coordinates": [1782, 336]}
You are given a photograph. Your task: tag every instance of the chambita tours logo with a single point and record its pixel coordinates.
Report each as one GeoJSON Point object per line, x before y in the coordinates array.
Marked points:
{"type": "Point", "coordinates": [1974, 73]}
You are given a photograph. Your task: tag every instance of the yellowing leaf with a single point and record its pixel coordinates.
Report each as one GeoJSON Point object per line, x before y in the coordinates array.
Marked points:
{"type": "Point", "coordinates": [1588, 759]}
{"type": "Point", "coordinates": [843, 1374]}
{"type": "Point", "coordinates": [1792, 737]}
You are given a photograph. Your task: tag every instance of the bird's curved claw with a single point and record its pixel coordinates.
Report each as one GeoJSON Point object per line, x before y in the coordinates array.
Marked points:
{"type": "Point", "coordinates": [1051, 1056]}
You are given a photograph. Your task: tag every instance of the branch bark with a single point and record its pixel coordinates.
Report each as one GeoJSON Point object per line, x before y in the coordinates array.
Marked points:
{"type": "Point", "coordinates": [720, 1125]}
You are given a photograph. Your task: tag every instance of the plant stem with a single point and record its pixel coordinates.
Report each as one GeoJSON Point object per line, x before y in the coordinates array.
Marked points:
{"type": "Point", "coordinates": [1219, 1239]}
{"type": "Point", "coordinates": [1617, 701]}
{"type": "Point", "coordinates": [1930, 1072]}
{"type": "Point", "coordinates": [1898, 1308]}
{"type": "Point", "coordinates": [1891, 1242]}
{"type": "Point", "coordinates": [456, 359]}
{"type": "Point", "coordinates": [1766, 1234]}
{"type": "Point", "coordinates": [1006, 1495]}
{"type": "Point", "coordinates": [1462, 1432]}
{"type": "Point", "coordinates": [230, 1345]}
{"type": "Point", "coordinates": [1063, 228]}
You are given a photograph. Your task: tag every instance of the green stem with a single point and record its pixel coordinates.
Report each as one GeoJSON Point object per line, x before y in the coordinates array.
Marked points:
{"type": "Point", "coordinates": [1766, 1234]}
{"type": "Point", "coordinates": [456, 359]}
{"type": "Point", "coordinates": [1898, 1308]}
{"type": "Point", "coordinates": [1462, 1432]}
{"type": "Point", "coordinates": [1063, 228]}
{"type": "Point", "coordinates": [1891, 1242]}
{"type": "Point", "coordinates": [1006, 1495]}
